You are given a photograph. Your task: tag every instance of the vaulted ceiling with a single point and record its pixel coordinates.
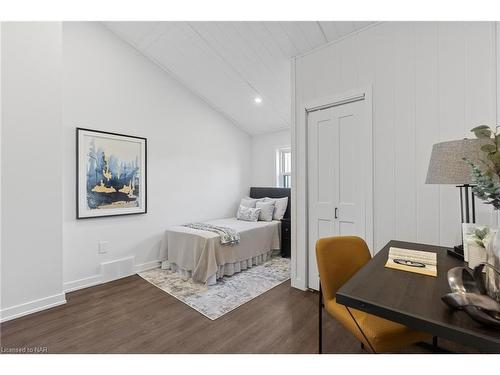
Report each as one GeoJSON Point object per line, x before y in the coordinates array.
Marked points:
{"type": "Point", "coordinates": [230, 64]}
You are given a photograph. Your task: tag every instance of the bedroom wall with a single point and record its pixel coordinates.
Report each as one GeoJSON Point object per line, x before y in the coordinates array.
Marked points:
{"type": "Point", "coordinates": [1, 174]}
{"type": "Point", "coordinates": [31, 165]}
{"type": "Point", "coordinates": [264, 147]}
{"type": "Point", "coordinates": [431, 82]}
{"type": "Point", "coordinates": [198, 162]}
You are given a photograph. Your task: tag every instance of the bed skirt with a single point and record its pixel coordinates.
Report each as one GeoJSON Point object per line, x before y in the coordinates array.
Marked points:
{"type": "Point", "coordinates": [227, 269]}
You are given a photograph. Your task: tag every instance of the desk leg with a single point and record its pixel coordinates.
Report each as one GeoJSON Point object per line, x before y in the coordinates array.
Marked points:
{"type": "Point", "coordinates": [434, 347]}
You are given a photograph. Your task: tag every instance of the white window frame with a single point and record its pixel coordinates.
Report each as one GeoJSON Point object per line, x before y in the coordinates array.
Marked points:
{"type": "Point", "coordinates": [280, 163]}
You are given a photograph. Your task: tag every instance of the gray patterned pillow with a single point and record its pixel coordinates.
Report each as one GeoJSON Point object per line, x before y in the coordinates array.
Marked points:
{"type": "Point", "coordinates": [248, 214]}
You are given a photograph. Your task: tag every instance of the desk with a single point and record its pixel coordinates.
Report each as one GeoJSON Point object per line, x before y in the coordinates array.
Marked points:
{"type": "Point", "coordinates": [415, 300]}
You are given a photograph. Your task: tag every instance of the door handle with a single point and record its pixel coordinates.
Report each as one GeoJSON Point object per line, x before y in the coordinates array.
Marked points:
{"type": "Point", "coordinates": [336, 212]}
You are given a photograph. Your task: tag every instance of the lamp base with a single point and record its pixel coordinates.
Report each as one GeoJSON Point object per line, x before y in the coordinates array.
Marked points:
{"type": "Point", "coordinates": [457, 252]}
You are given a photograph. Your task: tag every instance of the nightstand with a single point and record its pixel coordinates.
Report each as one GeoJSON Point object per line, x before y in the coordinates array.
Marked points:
{"type": "Point", "coordinates": [286, 237]}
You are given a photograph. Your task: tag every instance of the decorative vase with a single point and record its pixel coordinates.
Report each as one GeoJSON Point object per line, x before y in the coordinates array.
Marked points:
{"type": "Point", "coordinates": [476, 255]}
{"type": "Point", "coordinates": [492, 269]}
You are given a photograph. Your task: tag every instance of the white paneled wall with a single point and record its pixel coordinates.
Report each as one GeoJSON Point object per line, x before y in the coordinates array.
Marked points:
{"type": "Point", "coordinates": [432, 81]}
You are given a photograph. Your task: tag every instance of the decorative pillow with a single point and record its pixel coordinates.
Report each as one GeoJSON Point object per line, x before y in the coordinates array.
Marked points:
{"type": "Point", "coordinates": [266, 210]}
{"type": "Point", "coordinates": [280, 205]}
{"type": "Point", "coordinates": [248, 213]}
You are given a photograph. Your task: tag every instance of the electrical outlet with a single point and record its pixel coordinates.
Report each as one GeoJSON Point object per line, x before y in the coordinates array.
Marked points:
{"type": "Point", "coordinates": [103, 247]}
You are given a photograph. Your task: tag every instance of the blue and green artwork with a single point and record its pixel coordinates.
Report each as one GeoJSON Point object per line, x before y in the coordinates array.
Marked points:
{"type": "Point", "coordinates": [113, 173]}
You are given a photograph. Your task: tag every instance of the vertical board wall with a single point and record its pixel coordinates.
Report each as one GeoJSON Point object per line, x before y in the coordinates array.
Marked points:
{"type": "Point", "coordinates": [431, 81]}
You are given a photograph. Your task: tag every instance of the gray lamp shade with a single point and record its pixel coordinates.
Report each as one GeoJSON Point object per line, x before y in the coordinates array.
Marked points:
{"type": "Point", "coordinates": [447, 165]}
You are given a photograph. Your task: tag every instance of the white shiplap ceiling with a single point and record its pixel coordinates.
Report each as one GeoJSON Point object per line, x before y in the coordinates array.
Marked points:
{"type": "Point", "coordinates": [228, 64]}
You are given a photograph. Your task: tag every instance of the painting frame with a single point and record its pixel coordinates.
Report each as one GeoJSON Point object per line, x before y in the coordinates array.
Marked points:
{"type": "Point", "coordinates": [83, 211]}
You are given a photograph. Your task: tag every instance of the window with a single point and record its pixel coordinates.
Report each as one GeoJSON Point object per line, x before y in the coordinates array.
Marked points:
{"type": "Point", "coordinates": [284, 167]}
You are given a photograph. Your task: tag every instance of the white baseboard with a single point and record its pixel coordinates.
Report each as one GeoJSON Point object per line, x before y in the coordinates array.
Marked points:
{"type": "Point", "coordinates": [60, 299]}
{"type": "Point", "coordinates": [147, 266]}
{"type": "Point", "coordinates": [86, 282]}
{"type": "Point", "coordinates": [298, 284]}
{"type": "Point", "coordinates": [32, 307]}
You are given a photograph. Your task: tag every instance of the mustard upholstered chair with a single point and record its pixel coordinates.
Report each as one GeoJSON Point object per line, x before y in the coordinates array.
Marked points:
{"type": "Point", "coordinates": [339, 258]}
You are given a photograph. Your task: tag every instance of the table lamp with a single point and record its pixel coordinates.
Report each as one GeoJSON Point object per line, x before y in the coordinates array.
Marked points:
{"type": "Point", "coordinates": [447, 167]}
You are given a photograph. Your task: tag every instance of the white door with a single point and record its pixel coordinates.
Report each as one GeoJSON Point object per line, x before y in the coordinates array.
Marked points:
{"type": "Point", "coordinates": [339, 174]}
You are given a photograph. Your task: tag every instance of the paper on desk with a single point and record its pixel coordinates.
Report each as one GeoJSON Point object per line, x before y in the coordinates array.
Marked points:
{"type": "Point", "coordinates": [422, 262]}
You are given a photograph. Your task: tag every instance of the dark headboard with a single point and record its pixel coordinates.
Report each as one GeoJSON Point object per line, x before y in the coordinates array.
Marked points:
{"type": "Point", "coordinates": [272, 192]}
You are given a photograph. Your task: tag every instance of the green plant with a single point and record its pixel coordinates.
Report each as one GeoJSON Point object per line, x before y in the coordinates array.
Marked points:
{"type": "Point", "coordinates": [480, 235]}
{"type": "Point", "coordinates": [487, 175]}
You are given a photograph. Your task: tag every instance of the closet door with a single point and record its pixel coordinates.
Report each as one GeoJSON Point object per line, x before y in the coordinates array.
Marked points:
{"type": "Point", "coordinates": [337, 174]}
{"type": "Point", "coordinates": [322, 187]}
{"type": "Point", "coordinates": [351, 164]}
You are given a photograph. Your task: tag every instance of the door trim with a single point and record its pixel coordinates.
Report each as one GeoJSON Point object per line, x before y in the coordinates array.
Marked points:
{"type": "Point", "coordinates": [324, 103]}
{"type": "Point", "coordinates": [300, 240]}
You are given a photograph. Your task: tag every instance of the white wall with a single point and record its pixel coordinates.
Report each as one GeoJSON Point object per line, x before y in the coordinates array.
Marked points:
{"type": "Point", "coordinates": [198, 162]}
{"type": "Point", "coordinates": [31, 167]}
{"type": "Point", "coordinates": [431, 82]}
{"type": "Point", "coordinates": [264, 147]}
{"type": "Point", "coordinates": [1, 174]}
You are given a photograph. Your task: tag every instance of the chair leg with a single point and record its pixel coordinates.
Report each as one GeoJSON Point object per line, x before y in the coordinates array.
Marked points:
{"type": "Point", "coordinates": [320, 320]}
{"type": "Point", "coordinates": [360, 330]}
{"type": "Point", "coordinates": [362, 346]}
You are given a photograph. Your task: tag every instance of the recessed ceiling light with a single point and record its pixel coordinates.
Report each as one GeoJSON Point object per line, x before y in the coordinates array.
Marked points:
{"type": "Point", "coordinates": [258, 99]}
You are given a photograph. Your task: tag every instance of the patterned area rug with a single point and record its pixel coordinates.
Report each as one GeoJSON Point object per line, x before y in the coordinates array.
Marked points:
{"type": "Point", "coordinates": [229, 292]}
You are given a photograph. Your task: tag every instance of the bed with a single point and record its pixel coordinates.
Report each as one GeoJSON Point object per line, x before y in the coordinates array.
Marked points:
{"type": "Point", "coordinates": [199, 255]}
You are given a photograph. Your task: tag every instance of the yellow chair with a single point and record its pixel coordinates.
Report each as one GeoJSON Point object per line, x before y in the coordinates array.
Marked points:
{"type": "Point", "coordinates": [339, 258]}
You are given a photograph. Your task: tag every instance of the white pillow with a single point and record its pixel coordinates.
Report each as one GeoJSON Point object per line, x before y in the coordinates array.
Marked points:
{"type": "Point", "coordinates": [248, 213]}
{"type": "Point", "coordinates": [266, 210]}
{"type": "Point", "coordinates": [280, 205]}
{"type": "Point", "coordinates": [250, 202]}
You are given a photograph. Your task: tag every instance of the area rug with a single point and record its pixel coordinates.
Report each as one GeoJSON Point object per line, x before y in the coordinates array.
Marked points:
{"type": "Point", "coordinates": [229, 293]}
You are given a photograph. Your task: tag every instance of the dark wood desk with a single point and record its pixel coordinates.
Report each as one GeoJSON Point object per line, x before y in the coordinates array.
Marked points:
{"type": "Point", "coordinates": [415, 300]}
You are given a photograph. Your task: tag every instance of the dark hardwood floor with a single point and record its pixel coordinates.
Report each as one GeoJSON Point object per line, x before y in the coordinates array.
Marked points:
{"type": "Point", "coordinates": [132, 316]}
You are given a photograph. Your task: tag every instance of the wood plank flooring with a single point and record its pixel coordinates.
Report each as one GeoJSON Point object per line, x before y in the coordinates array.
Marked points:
{"type": "Point", "coordinates": [132, 316]}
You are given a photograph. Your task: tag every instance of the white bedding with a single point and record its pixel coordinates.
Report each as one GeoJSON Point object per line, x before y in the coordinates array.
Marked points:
{"type": "Point", "coordinates": [199, 254]}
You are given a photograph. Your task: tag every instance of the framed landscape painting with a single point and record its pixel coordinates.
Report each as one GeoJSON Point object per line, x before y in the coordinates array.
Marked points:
{"type": "Point", "coordinates": [111, 174]}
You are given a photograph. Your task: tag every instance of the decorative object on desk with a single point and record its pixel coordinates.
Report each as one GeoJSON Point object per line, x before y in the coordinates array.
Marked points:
{"type": "Point", "coordinates": [492, 269]}
{"type": "Point", "coordinates": [486, 169]}
{"type": "Point", "coordinates": [422, 262]}
{"type": "Point", "coordinates": [111, 174]}
{"type": "Point", "coordinates": [447, 166]}
{"type": "Point", "coordinates": [486, 177]}
{"type": "Point", "coordinates": [476, 239]}
{"type": "Point", "coordinates": [468, 293]}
